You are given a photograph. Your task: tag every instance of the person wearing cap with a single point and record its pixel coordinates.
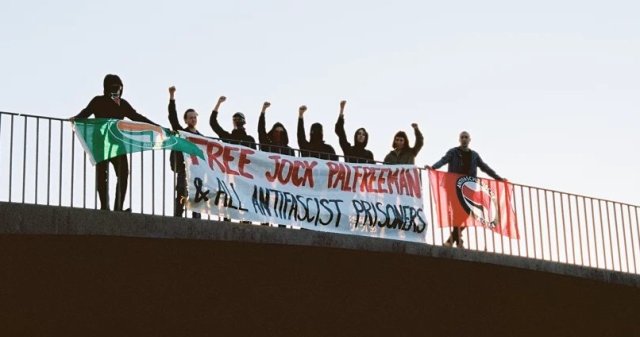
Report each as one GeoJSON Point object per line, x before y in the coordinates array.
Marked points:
{"type": "Point", "coordinates": [112, 105]}
{"type": "Point", "coordinates": [176, 158]}
{"type": "Point", "coordinates": [315, 147]}
{"type": "Point", "coordinates": [239, 134]}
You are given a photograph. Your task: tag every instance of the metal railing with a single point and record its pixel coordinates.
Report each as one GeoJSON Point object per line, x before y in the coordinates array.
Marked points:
{"type": "Point", "coordinates": [41, 163]}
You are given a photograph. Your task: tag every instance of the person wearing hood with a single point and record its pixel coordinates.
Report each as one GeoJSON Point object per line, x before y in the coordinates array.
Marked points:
{"type": "Point", "coordinates": [239, 134]}
{"type": "Point", "coordinates": [402, 153]}
{"type": "Point", "coordinates": [277, 139]}
{"type": "Point", "coordinates": [112, 105]}
{"type": "Point", "coordinates": [176, 157]}
{"type": "Point", "coordinates": [316, 147]}
{"type": "Point", "coordinates": [358, 152]}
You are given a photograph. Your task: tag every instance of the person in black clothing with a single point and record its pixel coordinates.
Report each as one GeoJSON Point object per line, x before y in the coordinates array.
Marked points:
{"type": "Point", "coordinates": [463, 160]}
{"type": "Point", "coordinates": [402, 153]}
{"type": "Point", "coordinates": [316, 147]}
{"type": "Point", "coordinates": [358, 152]}
{"type": "Point", "coordinates": [112, 105]}
{"type": "Point", "coordinates": [176, 157]}
{"type": "Point", "coordinates": [277, 140]}
{"type": "Point", "coordinates": [239, 135]}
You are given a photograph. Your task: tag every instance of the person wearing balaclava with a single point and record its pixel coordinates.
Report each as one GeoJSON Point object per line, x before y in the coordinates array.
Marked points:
{"type": "Point", "coordinates": [358, 152]}
{"type": "Point", "coordinates": [239, 135]}
{"type": "Point", "coordinates": [315, 147]}
{"type": "Point", "coordinates": [176, 158]}
{"type": "Point", "coordinates": [277, 139]}
{"type": "Point", "coordinates": [112, 105]}
{"type": "Point", "coordinates": [402, 153]}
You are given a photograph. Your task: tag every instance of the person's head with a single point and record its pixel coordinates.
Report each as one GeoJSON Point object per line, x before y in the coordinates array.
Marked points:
{"type": "Point", "coordinates": [400, 140]}
{"type": "Point", "coordinates": [112, 86]}
{"type": "Point", "coordinates": [361, 137]}
{"type": "Point", "coordinates": [465, 139]}
{"type": "Point", "coordinates": [317, 135]}
{"type": "Point", "coordinates": [191, 118]}
{"type": "Point", "coordinates": [238, 120]}
{"type": "Point", "coordinates": [278, 134]}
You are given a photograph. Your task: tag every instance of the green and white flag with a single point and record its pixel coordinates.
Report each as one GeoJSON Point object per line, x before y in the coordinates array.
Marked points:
{"type": "Point", "coordinates": [104, 138]}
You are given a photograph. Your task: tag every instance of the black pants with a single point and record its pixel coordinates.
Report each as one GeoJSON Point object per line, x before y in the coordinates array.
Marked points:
{"type": "Point", "coordinates": [121, 166]}
{"type": "Point", "coordinates": [182, 195]}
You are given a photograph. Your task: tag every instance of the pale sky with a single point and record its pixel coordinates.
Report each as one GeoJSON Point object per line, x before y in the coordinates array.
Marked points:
{"type": "Point", "coordinates": [547, 89]}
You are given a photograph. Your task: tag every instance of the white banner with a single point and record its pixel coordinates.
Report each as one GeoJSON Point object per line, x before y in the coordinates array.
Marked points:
{"type": "Point", "coordinates": [362, 199]}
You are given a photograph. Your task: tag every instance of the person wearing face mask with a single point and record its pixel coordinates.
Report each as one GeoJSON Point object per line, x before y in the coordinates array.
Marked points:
{"type": "Point", "coordinates": [112, 105]}
{"type": "Point", "coordinates": [315, 147]}
{"type": "Point", "coordinates": [463, 160]}
{"type": "Point", "coordinates": [239, 134]}
{"type": "Point", "coordinates": [402, 153]}
{"type": "Point", "coordinates": [176, 157]}
{"type": "Point", "coordinates": [277, 139]}
{"type": "Point", "coordinates": [358, 152]}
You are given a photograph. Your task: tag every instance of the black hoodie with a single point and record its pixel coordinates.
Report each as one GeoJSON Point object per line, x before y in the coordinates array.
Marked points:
{"type": "Point", "coordinates": [316, 148]}
{"type": "Point", "coordinates": [105, 107]}
{"type": "Point", "coordinates": [267, 144]}
{"type": "Point", "coordinates": [176, 159]}
{"type": "Point", "coordinates": [358, 152]}
{"type": "Point", "coordinates": [238, 136]}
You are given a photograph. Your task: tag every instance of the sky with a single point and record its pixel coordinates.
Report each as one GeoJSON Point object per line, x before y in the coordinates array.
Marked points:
{"type": "Point", "coordinates": [547, 89]}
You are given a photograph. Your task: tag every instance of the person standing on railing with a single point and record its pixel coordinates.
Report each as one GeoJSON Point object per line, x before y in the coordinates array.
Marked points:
{"type": "Point", "coordinates": [239, 134]}
{"type": "Point", "coordinates": [112, 105]}
{"type": "Point", "coordinates": [315, 147]}
{"type": "Point", "coordinates": [402, 153]}
{"type": "Point", "coordinates": [358, 152]}
{"type": "Point", "coordinates": [176, 158]}
{"type": "Point", "coordinates": [465, 161]}
{"type": "Point", "coordinates": [277, 139]}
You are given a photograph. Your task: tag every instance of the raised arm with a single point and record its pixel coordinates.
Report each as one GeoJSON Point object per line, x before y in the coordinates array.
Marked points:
{"type": "Point", "coordinates": [262, 130]}
{"type": "Point", "coordinates": [173, 114]}
{"type": "Point", "coordinates": [302, 138]}
{"type": "Point", "coordinates": [419, 139]}
{"type": "Point", "coordinates": [339, 129]}
{"type": "Point", "coordinates": [213, 121]}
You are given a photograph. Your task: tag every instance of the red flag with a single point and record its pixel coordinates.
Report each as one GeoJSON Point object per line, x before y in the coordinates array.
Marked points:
{"type": "Point", "coordinates": [464, 201]}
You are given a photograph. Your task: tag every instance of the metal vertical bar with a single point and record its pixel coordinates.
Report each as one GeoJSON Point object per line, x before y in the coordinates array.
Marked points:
{"type": "Point", "coordinates": [49, 165]}
{"type": "Point", "coordinates": [533, 226]}
{"type": "Point", "coordinates": [153, 182]}
{"type": "Point", "coordinates": [524, 222]}
{"type": "Point", "coordinates": [610, 239]}
{"type": "Point", "coordinates": [624, 237]}
{"type": "Point", "coordinates": [615, 224]}
{"type": "Point", "coordinates": [130, 183]}
{"type": "Point", "coordinates": [60, 172]}
{"type": "Point", "coordinates": [573, 241]}
{"type": "Point", "coordinates": [35, 197]}
{"type": "Point", "coordinates": [540, 222]}
{"type": "Point", "coordinates": [141, 183]}
{"type": "Point", "coordinates": [73, 155]}
{"type": "Point", "coordinates": [24, 158]}
{"type": "Point", "coordinates": [564, 229]}
{"type": "Point", "coordinates": [586, 230]}
{"type": "Point", "coordinates": [11, 158]}
{"type": "Point", "coordinates": [84, 180]}
{"type": "Point", "coordinates": [164, 181]}
{"type": "Point", "coordinates": [555, 224]}
{"type": "Point", "coordinates": [635, 209]}
{"type": "Point", "coordinates": [579, 231]}
{"type": "Point", "coordinates": [546, 210]}
{"type": "Point", "coordinates": [633, 245]}
{"type": "Point", "coordinates": [595, 236]}
{"type": "Point", "coordinates": [604, 249]}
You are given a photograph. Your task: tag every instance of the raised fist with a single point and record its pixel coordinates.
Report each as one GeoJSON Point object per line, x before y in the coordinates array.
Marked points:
{"type": "Point", "coordinates": [222, 99]}
{"type": "Point", "coordinates": [172, 90]}
{"type": "Point", "coordinates": [414, 125]}
{"type": "Point", "coordinates": [302, 109]}
{"type": "Point", "coordinates": [342, 104]}
{"type": "Point", "coordinates": [265, 105]}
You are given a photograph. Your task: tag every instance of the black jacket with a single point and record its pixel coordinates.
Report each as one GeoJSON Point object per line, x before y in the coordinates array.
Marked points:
{"type": "Point", "coordinates": [453, 158]}
{"type": "Point", "coordinates": [105, 107]}
{"type": "Point", "coordinates": [316, 147]}
{"type": "Point", "coordinates": [176, 158]}
{"type": "Point", "coordinates": [267, 144]}
{"type": "Point", "coordinates": [356, 153]}
{"type": "Point", "coordinates": [238, 136]}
